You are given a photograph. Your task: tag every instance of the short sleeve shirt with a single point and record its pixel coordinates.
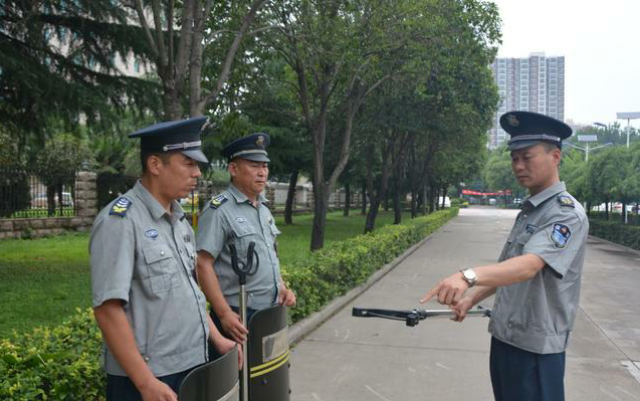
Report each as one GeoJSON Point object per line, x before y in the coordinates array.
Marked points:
{"type": "Point", "coordinates": [537, 315]}
{"type": "Point", "coordinates": [231, 218]}
{"type": "Point", "coordinates": [144, 256]}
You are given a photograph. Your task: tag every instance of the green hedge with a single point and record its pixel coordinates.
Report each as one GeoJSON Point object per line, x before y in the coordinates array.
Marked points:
{"type": "Point", "coordinates": [614, 231]}
{"type": "Point", "coordinates": [341, 266]}
{"type": "Point", "coordinates": [63, 363]}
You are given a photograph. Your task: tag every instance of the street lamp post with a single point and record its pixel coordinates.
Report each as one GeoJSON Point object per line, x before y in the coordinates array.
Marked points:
{"type": "Point", "coordinates": [587, 149]}
{"type": "Point", "coordinates": [628, 116]}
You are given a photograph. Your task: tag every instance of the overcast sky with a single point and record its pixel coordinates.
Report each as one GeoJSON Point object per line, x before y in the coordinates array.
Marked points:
{"type": "Point", "coordinates": [600, 41]}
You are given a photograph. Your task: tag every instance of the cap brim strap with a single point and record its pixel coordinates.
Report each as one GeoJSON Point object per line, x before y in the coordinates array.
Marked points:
{"type": "Point", "coordinates": [183, 145]}
{"type": "Point", "coordinates": [541, 137]}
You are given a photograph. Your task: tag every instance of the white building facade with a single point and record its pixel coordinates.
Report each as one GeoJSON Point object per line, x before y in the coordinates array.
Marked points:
{"type": "Point", "coordinates": [533, 84]}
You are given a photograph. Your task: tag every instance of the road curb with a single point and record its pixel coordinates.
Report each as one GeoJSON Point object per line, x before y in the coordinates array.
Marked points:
{"type": "Point", "coordinates": [635, 251]}
{"type": "Point", "coordinates": [299, 330]}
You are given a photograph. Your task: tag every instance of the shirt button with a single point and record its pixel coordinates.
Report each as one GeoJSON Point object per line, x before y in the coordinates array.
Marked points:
{"type": "Point", "coordinates": [509, 325]}
{"type": "Point", "coordinates": [146, 359]}
{"type": "Point", "coordinates": [161, 253]}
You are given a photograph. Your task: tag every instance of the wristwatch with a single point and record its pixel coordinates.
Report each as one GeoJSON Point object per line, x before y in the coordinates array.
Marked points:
{"type": "Point", "coordinates": [469, 276]}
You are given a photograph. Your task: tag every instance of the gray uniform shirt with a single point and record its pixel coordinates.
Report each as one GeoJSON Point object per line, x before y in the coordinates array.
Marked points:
{"type": "Point", "coordinates": [231, 218]}
{"type": "Point", "coordinates": [144, 256]}
{"type": "Point", "coordinates": [537, 315]}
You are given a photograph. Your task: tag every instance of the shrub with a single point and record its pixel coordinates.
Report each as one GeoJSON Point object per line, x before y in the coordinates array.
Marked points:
{"type": "Point", "coordinates": [623, 234]}
{"type": "Point", "coordinates": [62, 363]}
{"type": "Point", "coordinates": [341, 266]}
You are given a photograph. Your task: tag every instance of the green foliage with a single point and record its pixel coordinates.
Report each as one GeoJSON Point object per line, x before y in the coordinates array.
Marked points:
{"type": "Point", "coordinates": [64, 156]}
{"type": "Point", "coordinates": [614, 231]}
{"type": "Point", "coordinates": [62, 363]}
{"type": "Point", "coordinates": [341, 266]}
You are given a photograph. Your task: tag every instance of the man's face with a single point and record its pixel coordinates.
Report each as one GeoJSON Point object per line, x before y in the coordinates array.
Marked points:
{"type": "Point", "coordinates": [178, 176]}
{"type": "Point", "coordinates": [535, 167]}
{"type": "Point", "coordinates": [249, 176]}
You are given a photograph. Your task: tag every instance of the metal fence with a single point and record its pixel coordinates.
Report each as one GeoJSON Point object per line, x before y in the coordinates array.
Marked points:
{"type": "Point", "coordinates": [24, 194]}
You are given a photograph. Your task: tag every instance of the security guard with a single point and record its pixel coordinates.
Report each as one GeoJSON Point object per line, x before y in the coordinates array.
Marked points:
{"type": "Point", "coordinates": [240, 216]}
{"type": "Point", "coordinates": [145, 296]}
{"type": "Point", "coordinates": [537, 278]}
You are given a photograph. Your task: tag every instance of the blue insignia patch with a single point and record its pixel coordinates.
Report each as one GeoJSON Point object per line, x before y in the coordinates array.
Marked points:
{"type": "Point", "coordinates": [151, 233]}
{"type": "Point", "coordinates": [120, 207]}
{"type": "Point", "coordinates": [566, 201]}
{"type": "Point", "coordinates": [560, 235]}
{"type": "Point", "coordinates": [217, 201]}
{"type": "Point", "coordinates": [531, 228]}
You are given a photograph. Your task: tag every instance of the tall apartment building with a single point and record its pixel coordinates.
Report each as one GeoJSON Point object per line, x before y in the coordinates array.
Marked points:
{"type": "Point", "coordinates": [533, 84]}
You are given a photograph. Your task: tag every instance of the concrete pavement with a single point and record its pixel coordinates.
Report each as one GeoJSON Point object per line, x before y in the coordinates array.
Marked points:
{"type": "Point", "coordinates": [355, 359]}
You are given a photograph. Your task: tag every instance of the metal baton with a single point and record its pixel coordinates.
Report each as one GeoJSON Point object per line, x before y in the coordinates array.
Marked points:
{"type": "Point", "coordinates": [413, 317]}
{"type": "Point", "coordinates": [243, 270]}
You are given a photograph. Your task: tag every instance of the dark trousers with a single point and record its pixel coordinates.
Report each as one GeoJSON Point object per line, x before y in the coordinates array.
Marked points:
{"type": "Point", "coordinates": [521, 375]}
{"type": "Point", "coordinates": [121, 388]}
{"type": "Point", "coordinates": [213, 353]}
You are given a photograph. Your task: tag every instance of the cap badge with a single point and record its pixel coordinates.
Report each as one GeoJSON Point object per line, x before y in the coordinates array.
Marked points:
{"type": "Point", "coordinates": [260, 140]}
{"type": "Point", "coordinates": [513, 120]}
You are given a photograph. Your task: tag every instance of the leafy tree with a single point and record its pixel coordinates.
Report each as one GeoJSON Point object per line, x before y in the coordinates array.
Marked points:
{"type": "Point", "coordinates": [57, 166]}
{"type": "Point", "coordinates": [59, 63]}
{"type": "Point", "coordinates": [205, 27]}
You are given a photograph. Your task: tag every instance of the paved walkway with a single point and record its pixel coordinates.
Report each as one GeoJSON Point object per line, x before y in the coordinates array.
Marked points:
{"type": "Point", "coordinates": [354, 359]}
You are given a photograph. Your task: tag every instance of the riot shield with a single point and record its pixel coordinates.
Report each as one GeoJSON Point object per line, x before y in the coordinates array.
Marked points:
{"type": "Point", "coordinates": [268, 352]}
{"type": "Point", "coordinates": [213, 381]}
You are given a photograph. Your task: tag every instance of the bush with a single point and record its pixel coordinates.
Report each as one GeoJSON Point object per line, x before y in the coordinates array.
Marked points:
{"type": "Point", "coordinates": [341, 266]}
{"type": "Point", "coordinates": [62, 363]}
{"type": "Point", "coordinates": [614, 231]}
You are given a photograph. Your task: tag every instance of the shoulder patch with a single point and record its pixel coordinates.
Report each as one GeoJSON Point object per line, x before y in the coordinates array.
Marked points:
{"type": "Point", "coordinates": [566, 201]}
{"type": "Point", "coordinates": [560, 235]}
{"type": "Point", "coordinates": [217, 201]}
{"type": "Point", "coordinates": [120, 207]}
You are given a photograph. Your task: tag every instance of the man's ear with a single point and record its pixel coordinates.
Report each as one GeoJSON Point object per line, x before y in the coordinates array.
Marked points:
{"type": "Point", "coordinates": [557, 156]}
{"type": "Point", "coordinates": [154, 165]}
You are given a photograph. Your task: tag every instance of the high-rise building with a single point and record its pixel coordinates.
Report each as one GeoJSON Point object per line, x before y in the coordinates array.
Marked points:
{"type": "Point", "coordinates": [533, 84]}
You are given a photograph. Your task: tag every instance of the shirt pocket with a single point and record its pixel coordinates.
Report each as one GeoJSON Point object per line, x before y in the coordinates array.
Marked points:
{"type": "Point", "coordinates": [161, 268]}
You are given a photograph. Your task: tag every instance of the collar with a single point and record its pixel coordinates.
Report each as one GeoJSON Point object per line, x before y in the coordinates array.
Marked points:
{"type": "Point", "coordinates": [537, 199]}
{"type": "Point", "coordinates": [241, 197]}
{"type": "Point", "coordinates": [155, 208]}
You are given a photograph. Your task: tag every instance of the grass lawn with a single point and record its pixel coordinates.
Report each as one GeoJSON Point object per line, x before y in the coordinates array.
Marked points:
{"type": "Point", "coordinates": [43, 280]}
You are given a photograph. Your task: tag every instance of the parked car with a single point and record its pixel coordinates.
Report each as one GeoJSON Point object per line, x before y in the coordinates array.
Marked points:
{"type": "Point", "coordinates": [189, 200]}
{"type": "Point", "coordinates": [40, 200]}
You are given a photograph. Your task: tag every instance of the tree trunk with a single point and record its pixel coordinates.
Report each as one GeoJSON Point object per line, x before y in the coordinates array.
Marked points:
{"type": "Point", "coordinates": [372, 214]}
{"type": "Point", "coordinates": [291, 196]}
{"type": "Point", "coordinates": [397, 205]}
{"type": "Point", "coordinates": [414, 203]}
{"type": "Point", "coordinates": [320, 206]}
{"type": "Point", "coordinates": [364, 198]}
{"type": "Point", "coordinates": [60, 199]}
{"type": "Point", "coordinates": [347, 199]}
{"type": "Point", "coordinates": [444, 195]}
{"type": "Point", "coordinates": [51, 200]}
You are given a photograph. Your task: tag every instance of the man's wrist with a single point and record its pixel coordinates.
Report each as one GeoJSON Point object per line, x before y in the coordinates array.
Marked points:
{"type": "Point", "coordinates": [469, 276]}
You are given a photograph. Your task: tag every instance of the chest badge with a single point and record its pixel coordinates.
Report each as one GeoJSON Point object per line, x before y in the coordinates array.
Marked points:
{"type": "Point", "coordinates": [560, 235]}
{"type": "Point", "coordinates": [151, 233]}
